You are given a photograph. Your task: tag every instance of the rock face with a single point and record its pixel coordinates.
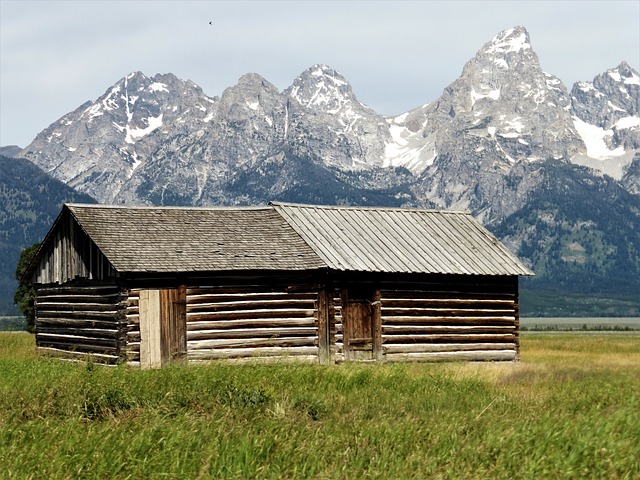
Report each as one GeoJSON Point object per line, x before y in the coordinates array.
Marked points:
{"type": "Point", "coordinates": [607, 115]}
{"type": "Point", "coordinates": [480, 137]}
{"type": "Point", "coordinates": [98, 147]}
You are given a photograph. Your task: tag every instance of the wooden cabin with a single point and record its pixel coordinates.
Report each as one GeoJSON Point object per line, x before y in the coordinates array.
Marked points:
{"type": "Point", "coordinates": [149, 286]}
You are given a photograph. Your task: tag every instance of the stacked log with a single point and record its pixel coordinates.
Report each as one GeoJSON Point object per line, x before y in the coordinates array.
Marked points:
{"type": "Point", "coordinates": [133, 328]}
{"type": "Point", "coordinates": [251, 322]}
{"type": "Point", "coordinates": [468, 322]}
{"type": "Point", "coordinates": [82, 322]}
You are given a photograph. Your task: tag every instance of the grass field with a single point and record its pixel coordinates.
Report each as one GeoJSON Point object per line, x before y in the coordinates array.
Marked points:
{"type": "Point", "coordinates": [569, 409]}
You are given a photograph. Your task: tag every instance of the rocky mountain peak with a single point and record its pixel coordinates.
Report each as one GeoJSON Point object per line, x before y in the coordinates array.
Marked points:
{"type": "Point", "coordinates": [610, 97]}
{"type": "Point", "coordinates": [321, 87]}
{"type": "Point", "coordinates": [100, 144]}
{"type": "Point", "coordinates": [514, 39]}
{"type": "Point", "coordinates": [607, 116]}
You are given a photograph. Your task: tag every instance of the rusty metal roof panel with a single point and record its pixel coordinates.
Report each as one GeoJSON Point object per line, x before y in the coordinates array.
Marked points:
{"type": "Point", "coordinates": [400, 240]}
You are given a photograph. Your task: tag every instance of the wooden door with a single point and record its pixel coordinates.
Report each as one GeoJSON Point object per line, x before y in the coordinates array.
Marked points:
{"type": "Point", "coordinates": [362, 335]}
{"type": "Point", "coordinates": [163, 325]}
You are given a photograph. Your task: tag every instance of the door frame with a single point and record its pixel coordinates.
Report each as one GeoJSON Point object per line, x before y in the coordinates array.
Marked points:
{"type": "Point", "coordinates": [361, 312]}
{"type": "Point", "coordinates": [163, 326]}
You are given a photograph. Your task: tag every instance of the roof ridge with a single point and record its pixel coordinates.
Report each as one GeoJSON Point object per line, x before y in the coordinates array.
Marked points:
{"type": "Point", "coordinates": [166, 207]}
{"type": "Point", "coordinates": [369, 207]}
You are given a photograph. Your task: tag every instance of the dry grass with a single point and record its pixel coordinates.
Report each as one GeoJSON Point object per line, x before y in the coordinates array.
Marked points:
{"type": "Point", "coordinates": [569, 409]}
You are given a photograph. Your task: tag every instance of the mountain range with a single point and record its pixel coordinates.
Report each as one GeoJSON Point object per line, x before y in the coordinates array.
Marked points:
{"type": "Point", "coordinates": [554, 173]}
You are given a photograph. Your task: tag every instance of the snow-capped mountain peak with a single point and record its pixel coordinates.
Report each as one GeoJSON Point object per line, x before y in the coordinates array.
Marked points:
{"type": "Point", "coordinates": [514, 39]}
{"type": "Point", "coordinates": [323, 88]}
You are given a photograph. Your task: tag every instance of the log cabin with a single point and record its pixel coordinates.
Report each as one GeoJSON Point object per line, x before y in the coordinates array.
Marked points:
{"type": "Point", "coordinates": [150, 286]}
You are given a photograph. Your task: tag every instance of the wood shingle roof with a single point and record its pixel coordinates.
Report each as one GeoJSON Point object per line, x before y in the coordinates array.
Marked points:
{"type": "Point", "coordinates": [174, 239]}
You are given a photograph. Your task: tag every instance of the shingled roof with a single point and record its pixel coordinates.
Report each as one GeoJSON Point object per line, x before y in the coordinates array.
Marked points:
{"type": "Point", "coordinates": [293, 237]}
{"type": "Point", "coordinates": [174, 239]}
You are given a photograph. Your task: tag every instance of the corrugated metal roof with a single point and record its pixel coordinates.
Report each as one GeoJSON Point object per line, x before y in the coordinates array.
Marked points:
{"type": "Point", "coordinates": [400, 240]}
{"type": "Point", "coordinates": [174, 239]}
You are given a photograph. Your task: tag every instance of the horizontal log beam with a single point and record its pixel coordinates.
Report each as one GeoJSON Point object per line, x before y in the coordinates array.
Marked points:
{"type": "Point", "coordinates": [249, 305]}
{"type": "Point", "coordinates": [446, 347]}
{"type": "Point", "coordinates": [252, 322]}
{"type": "Point", "coordinates": [78, 347]}
{"type": "Point", "coordinates": [448, 302]}
{"type": "Point", "coordinates": [252, 332]}
{"type": "Point", "coordinates": [80, 332]}
{"type": "Point", "coordinates": [76, 307]}
{"type": "Point", "coordinates": [428, 295]}
{"type": "Point", "coordinates": [269, 286]}
{"type": "Point", "coordinates": [477, 356]}
{"type": "Point", "coordinates": [249, 296]}
{"type": "Point", "coordinates": [402, 320]}
{"type": "Point", "coordinates": [99, 357]}
{"type": "Point", "coordinates": [75, 341]}
{"type": "Point", "coordinates": [75, 290]}
{"type": "Point", "coordinates": [458, 329]}
{"type": "Point", "coordinates": [445, 312]}
{"type": "Point", "coordinates": [63, 323]}
{"type": "Point", "coordinates": [251, 353]}
{"type": "Point", "coordinates": [246, 314]}
{"type": "Point", "coordinates": [110, 299]}
{"type": "Point", "coordinates": [311, 341]}
{"type": "Point", "coordinates": [450, 338]}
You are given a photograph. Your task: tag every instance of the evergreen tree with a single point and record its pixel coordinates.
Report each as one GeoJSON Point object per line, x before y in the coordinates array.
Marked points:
{"type": "Point", "coordinates": [25, 295]}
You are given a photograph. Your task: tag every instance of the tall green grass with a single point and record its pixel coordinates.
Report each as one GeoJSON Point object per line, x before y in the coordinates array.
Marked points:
{"type": "Point", "coordinates": [569, 409]}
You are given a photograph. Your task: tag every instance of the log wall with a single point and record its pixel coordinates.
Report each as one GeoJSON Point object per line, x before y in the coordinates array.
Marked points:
{"type": "Point", "coordinates": [250, 322]}
{"type": "Point", "coordinates": [82, 322]}
{"type": "Point", "coordinates": [461, 321]}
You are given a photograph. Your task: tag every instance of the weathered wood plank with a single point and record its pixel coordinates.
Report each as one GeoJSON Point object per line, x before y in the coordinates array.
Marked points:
{"type": "Point", "coordinates": [150, 329]}
{"type": "Point", "coordinates": [458, 329]}
{"type": "Point", "coordinates": [98, 316]}
{"type": "Point", "coordinates": [252, 332]}
{"type": "Point", "coordinates": [77, 307]}
{"type": "Point", "coordinates": [477, 356]}
{"type": "Point", "coordinates": [80, 332]}
{"type": "Point", "coordinates": [75, 355]}
{"type": "Point", "coordinates": [245, 305]}
{"type": "Point", "coordinates": [446, 347]}
{"type": "Point", "coordinates": [449, 302]}
{"type": "Point", "coordinates": [252, 353]}
{"type": "Point", "coordinates": [433, 312]}
{"type": "Point", "coordinates": [251, 322]}
{"type": "Point", "coordinates": [76, 341]}
{"type": "Point", "coordinates": [446, 295]}
{"type": "Point", "coordinates": [252, 342]}
{"type": "Point", "coordinates": [194, 299]}
{"type": "Point", "coordinates": [246, 314]}
{"type": "Point", "coordinates": [449, 338]}
{"type": "Point", "coordinates": [79, 322]}
{"type": "Point", "coordinates": [409, 320]}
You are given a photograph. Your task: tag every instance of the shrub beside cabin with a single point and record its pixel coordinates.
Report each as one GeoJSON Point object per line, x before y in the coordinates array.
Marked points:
{"type": "Point", "coordinates": [149, 285]}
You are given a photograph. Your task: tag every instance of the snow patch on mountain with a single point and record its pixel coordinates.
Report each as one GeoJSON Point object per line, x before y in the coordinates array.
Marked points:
{"type": "Point", "coordinates": [135, 134]}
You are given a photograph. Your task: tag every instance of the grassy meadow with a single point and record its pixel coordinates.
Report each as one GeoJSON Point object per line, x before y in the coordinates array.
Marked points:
{"type": "Point", "coordinates": [569, 409]}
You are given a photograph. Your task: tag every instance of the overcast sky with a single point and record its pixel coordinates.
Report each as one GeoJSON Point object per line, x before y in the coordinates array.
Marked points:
{"type": "Point", "coordinates": [56, 55]}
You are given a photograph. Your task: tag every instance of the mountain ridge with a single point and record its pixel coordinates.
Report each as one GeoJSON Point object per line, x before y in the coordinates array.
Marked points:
{"type": "Point", "coordinates": [489, 145]}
